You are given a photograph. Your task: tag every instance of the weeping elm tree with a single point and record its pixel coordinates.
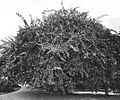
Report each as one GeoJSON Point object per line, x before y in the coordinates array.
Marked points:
{"type": "Point", "coordinates": [61, 52]}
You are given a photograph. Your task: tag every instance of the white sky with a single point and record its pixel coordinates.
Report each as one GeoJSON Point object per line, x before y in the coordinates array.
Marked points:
{"type": "Point", "coordinates": [9, 21]}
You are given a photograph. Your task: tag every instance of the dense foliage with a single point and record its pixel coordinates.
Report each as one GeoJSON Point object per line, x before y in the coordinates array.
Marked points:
{"type": "Point", "coordinates": [65, 51]}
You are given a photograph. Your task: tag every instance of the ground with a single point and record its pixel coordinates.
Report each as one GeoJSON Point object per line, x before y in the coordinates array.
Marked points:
{"type": "Point", "coordinates": [25, 93]}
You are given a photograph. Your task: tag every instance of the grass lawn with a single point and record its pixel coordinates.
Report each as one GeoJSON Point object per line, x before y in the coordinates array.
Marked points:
{"type": "Point", "coordinates": [26, 94]}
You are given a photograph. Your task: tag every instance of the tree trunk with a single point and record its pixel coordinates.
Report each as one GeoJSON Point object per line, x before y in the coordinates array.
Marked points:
{"type": "Point", "coordinates": [106, 91]}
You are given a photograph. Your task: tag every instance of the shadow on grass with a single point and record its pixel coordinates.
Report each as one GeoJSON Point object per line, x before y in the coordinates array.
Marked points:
{"type": "Point", "coordinates": [30, 95]}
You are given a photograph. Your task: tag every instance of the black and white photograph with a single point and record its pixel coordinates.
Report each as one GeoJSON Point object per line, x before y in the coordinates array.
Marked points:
{"type": "Point", "coordinates": [59, 50]}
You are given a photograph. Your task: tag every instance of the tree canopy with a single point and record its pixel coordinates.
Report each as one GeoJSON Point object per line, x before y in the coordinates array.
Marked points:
{"type": "Point", "coordinates": [61, 52]}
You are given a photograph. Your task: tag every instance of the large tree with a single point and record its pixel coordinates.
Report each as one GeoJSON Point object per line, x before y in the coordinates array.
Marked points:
{"type": "Point", "coordinates": [61, 52]}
